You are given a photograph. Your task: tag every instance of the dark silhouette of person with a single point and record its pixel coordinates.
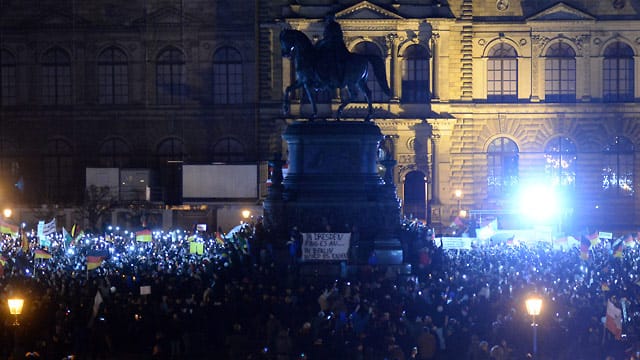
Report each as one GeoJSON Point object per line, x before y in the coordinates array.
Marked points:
{"type": "Point", "coordinates": [332, 54]}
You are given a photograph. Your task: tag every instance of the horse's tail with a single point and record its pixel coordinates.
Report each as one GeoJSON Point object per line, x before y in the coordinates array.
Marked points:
{"type": "Point", "coordinates": [379, 72]}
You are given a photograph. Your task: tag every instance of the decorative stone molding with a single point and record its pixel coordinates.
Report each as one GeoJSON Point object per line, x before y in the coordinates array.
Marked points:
{"type": "Point", "coordinates": [406, 159]}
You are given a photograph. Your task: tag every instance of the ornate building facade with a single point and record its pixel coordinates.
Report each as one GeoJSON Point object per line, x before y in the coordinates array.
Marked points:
{"type": "Point", "coordinates": [488, 97]}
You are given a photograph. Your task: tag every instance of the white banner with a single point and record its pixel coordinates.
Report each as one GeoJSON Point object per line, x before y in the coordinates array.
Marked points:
{"type": "Point", "coordinates": [49, 228]}
{"type": "Point", "coordinates": [325, 246]}
{"type": "Point", "coordinates": [456, 243]}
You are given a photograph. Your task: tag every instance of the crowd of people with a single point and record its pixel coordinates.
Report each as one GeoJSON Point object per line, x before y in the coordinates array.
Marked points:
{"type": "Point", "coordinates": [238, 298]}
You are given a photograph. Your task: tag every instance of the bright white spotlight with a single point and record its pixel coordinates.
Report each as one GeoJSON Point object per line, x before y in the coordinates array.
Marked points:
{"type": "Point", "coordinates": [539, 203]}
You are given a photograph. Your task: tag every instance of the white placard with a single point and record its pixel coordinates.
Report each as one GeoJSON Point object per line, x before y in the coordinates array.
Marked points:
{"type": "Point", "coordinates": [605, 235]}
{"type": "Point", "coordinates": [325, 246]}
{"type": "Point", "coordinates": [456, 243]}
{"type": "Point", "coordinates": [145, 290]}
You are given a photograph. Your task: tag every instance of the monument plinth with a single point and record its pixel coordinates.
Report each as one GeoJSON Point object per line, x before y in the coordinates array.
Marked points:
{"type": "Point", "coordinates": [333, 185]}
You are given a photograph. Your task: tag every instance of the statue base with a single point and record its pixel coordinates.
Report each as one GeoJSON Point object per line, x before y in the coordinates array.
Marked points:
{"type": "Point", "coordinates": [333, 185]}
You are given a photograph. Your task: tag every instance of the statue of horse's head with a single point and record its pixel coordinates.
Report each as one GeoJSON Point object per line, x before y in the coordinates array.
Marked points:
{"type": "Point", "coordinates": [293, 39]}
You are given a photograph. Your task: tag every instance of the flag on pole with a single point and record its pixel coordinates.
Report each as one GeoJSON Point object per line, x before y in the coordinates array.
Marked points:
{"type": "Point", "coordinates": [594, 238]}
{"type": "Point", "coordinates": [6, 228]}
{"type": "Point", "coordinates": [617, 249]}
{"type": "Point", "coordinates": [25, 241]}
{"type": "Point", "coordinates": [49, 228]}
{"type": "Point", "coordinates": [613, 321]}
{"type": "Point", "coordinates": [44, 230]}
{"type": "Point", "coordinates": [97, 301]}
{"type": "Point", "coordinates": [143, 235]}
{"type": "Point", "coordinates": [219, 238]}
{"type": "Point", "coordinates": [42, 254]}
{"type": "Point", "coordinates": [629, 241]}
{"type": "Point", "coordinates": [68, 239]}
{"type": "Point", "coordinates": [79, 236]}
{"type": "Point", "coordinates": [585, 244]}
{"type": "Point", "coordinates": [3, 263]}
{"type": "Point", "coordinates": [94, 262]}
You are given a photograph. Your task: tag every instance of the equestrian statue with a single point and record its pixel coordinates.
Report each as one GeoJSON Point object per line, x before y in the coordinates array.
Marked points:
{"type": "Point", "coordinates": [329, 65]}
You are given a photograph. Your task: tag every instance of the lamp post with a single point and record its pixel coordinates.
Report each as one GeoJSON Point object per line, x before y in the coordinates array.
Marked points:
{"type": "Point", "coordinates": [15, 308]}
{"type": "Point", "coordinates": [534, 305]}
{"type": "Point", "coordinates": [458, 195]}
{"type": "Point", "coordinates": [246, 214]}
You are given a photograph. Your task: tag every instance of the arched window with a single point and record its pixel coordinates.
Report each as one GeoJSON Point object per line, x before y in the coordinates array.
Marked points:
{"type": "Point", "coordinates": [56, 77]}
{"type": "Point", "coordinates": [7, 78]}
{"type": "Point", "coordinates": [502, 74]}
{"type": "Point", "coordinates": [560, 155]}
{"type": "Point", "coordinates": [228, 150]}
{"type": "Point", "coordinates": [415, 75]}
{"type": "Point", "coordinates": [227, 76]}
{"type": "Point", "coordinates": [502, 166]}
{"type": "Point", "coordinates": [560, 73]}
{"type": "Point", "coordinates": [113, 77]}
{"type": "Point", "coordinates": [617, 73]}
{"type": "Point", "coordinates": [170, 150]}
{"type": "Point", "coordinates": [58, 171]}
{"type": "Point", "coordinates": [170, 77]}
{"type": "Point", "coordinates": [369, 48]}
{"type": "Point", "coordinates": [617, 170]}
{"type": "Point", "coordinates": [114, 152]}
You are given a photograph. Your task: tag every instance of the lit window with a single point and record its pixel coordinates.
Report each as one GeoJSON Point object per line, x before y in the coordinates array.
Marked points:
{"type": "Point", "coordinates": [415, 75]}
{"type": "Point", "coordinates": [502, 74]}
{"type": "Point", "coordinates": [617, 81]}
{"type": "Point", "coordinates": [617, 170]}
{"type": "Point", "coordinates": [227, 76]}
{"type": "Point", "coordinates": [170, 77]}
{"type": "Point", "coordinates": [560, 168]}
{"type": "Point", "coordinates": [56, 77]}
{"type": "Point", "coordinates": [7, 78]}
{"type": "Point", "coordinates": [560, 73]}
{"type": "Point", "coordinates": [502, 166]}
{"type": "Point", "coordinates": [113, 78]}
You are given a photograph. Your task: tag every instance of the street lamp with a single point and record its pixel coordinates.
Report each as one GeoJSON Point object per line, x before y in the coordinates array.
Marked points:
{"type": "Point", "coordinates": [7, 212]}
{"type": "Point", "coordinates": [458, 195]}
{"type": "Point", "coordinates": [534, 305]}
{"type": "Point", "coordinates": [15, 308]}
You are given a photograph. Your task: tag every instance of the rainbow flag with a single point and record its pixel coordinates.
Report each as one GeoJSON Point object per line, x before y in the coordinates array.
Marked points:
{"type": "Point", "coordinates": [94, 262]}
{"type": "Point", "coordinates": [143, 235]}
{"type": "Point", "coordinates": [42, 254]}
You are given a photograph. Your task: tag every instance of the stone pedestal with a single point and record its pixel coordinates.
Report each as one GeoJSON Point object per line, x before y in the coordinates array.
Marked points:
{"type": "Point", "coordinates": [333, 185]}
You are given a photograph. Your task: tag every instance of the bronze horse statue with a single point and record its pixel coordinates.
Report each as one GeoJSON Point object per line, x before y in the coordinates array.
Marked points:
{"type": "Point", "coordinates": [318, 68]}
